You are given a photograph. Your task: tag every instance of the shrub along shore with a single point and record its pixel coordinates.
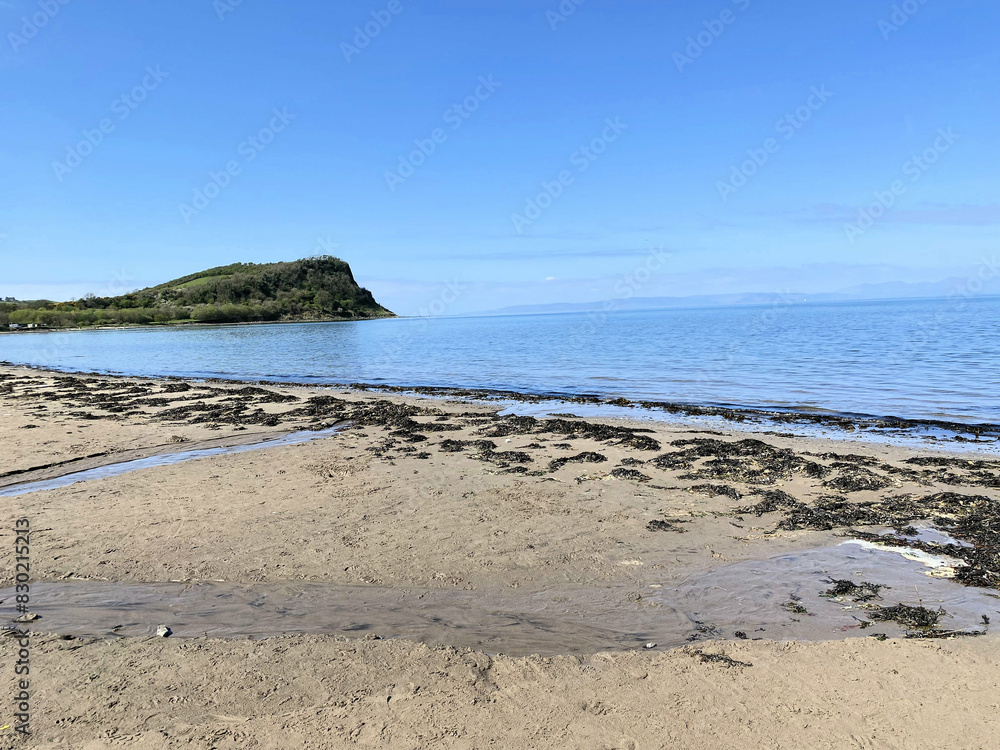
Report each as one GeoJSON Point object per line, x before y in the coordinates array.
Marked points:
{"type": "Point", "coordinates": [321, 288]}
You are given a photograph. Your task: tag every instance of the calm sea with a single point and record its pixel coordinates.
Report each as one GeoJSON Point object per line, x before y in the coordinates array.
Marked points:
{"type": "Point", "coordinates": [937, 359]}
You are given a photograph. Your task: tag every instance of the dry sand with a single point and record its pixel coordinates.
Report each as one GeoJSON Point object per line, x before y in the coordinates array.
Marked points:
{"type": "Point", "coordinates": [388, 503]}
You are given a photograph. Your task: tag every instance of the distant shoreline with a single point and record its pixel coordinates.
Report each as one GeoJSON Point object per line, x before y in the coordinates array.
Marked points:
{"type": "Point", "coordinates": [135, 326]}
{"type": "Point", "coordinates": [878, 429]}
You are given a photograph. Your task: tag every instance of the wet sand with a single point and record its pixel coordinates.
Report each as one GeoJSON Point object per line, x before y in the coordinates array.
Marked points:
{"type": "Point", "coordinates": [779, 598]}
{"type": "Point", "coordinates": [576, 539]}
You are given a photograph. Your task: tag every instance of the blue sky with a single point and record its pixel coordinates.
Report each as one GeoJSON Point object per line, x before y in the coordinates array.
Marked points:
{"type": "Point", "coordinates": [739, 138]}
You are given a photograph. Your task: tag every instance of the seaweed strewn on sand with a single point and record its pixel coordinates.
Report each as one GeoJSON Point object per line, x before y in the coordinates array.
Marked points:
{"type": "Point", "coordinates": [448, 495]}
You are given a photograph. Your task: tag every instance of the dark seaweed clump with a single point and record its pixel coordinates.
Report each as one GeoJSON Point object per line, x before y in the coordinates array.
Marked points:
{"type": "Point", "coordinates": [961, 463]}
{"type": "Point", "coordinates": [722, 659]}
{"type": "Point", "coordinates": [602, 433]}
{"type": "Point", "coordinates": [515, 470]}
{"type": "Point", "coordinates": [773, 500]}
{"type": "Point", "coordinates": [857, 479]}
{"type": "Point", "coordinates": [974, 519]}
{"type": "Point", "coordinates": [978, 473]}
{"type": "Point", "coordinates": [825, 515]}
{"type": "Point", "coordinates": [907, 616]}
{"type": "Point", "coordinates": [502, 459]}
{"type": "Point", "coordinates": [922, 621]}
{"type": "Point", "coordinates": [259, 395]}
{"type": "Point", "coordinates": [199, 403]}
{"type": "Point", "coordinates": [714, 490]}
{"type": "Point", "coordinates": [408, 436]}
{"type": "Point", "coordinates": [795, 607]}
{"type": "Point", "coordinates": [482, 450]}
{"type": "Point", "coordinates": [374, 413]}
{"type": "Point", "coordinates": [749, 461]}
{"type": "Point", "coordinates": [858, 592]}
{"type": "Point", "coordinates": [588, 457]}
{"type": "Point", "coordinates": [630, 474]}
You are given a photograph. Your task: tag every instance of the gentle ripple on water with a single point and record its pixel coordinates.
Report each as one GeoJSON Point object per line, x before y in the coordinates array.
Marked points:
{"type": "Point", "coordinates": [751, 598]}
{"type": "Point", "coordinates": [925, 359]}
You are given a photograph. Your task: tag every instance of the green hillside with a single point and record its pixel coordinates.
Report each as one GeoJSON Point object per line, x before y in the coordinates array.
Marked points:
{"type": "Point", "coordinates": [321, 288]}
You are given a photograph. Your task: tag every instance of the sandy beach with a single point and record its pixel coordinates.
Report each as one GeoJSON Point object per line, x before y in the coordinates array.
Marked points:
{"type": "Point", "coordinates": [557, 548]}
{"type": "Point", "coordinates": [500, 376]}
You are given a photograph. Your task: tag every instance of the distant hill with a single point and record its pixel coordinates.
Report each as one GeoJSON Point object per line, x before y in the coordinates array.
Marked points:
{"type": "Point", "coordinates": [321, 288]}
{"type": "Point", "coordinates": [865, 292]}
{"type": "Point", "coordinates": [650, 303]}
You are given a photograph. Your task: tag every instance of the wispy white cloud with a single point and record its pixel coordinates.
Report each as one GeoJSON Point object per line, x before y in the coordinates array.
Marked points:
{"type": "Point", "coordinates": [490, 255]}
{"type": "Point", "coordinates": [963, 215]}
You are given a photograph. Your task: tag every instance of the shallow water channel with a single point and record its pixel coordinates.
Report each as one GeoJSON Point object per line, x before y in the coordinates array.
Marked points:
{"type": "Point", "coordinates": [165, 459]}
{"type": "Point", "coordinates": [758, 599]}
{"type": "Point", "coordinates": [778, 598]}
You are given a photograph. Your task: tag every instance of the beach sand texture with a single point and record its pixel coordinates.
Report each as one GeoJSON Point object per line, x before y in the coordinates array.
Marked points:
{"type": "Point", "coordinates": [447, 499]}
